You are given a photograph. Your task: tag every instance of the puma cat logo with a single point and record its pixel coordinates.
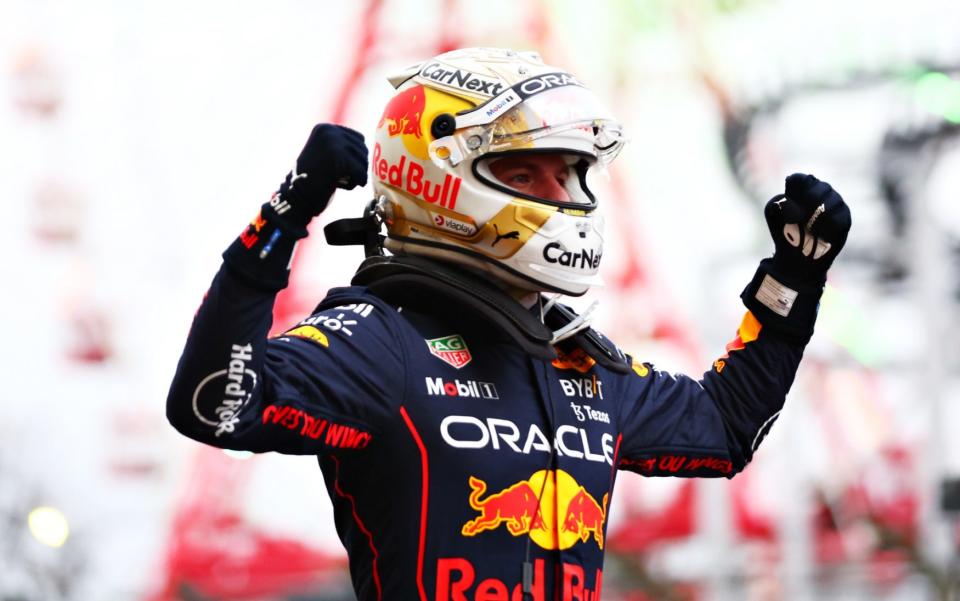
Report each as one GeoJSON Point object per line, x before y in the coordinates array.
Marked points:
{"type": "Point", "coordinates": [514, 235]}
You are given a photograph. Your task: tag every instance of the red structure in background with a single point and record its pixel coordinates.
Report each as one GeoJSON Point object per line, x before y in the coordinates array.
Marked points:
{"type": "Point", "coordinates": [223, 558]}
{"type": "Point", "coordinates": [215, 554]}
{"type": "Point", "coordinates": [871, 523]}
{"type": "Point", "coordinates": [676, 520]}
{"type": "Point", "coordinates": [640, 532]}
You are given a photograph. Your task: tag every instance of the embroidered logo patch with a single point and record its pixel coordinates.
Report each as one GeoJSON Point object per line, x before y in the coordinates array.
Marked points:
{"type": "Point", "coordinates": [576, 359]}
{"type": "Point", "coordinates": [450, 349]}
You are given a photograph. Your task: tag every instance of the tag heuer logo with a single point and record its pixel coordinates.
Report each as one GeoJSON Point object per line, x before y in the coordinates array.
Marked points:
{"type": "Point", "coordinates": [450, 349]}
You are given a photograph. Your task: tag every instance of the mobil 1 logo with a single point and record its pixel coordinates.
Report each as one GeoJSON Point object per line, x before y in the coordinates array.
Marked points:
{"type": "Point", "coordinates": [465, 388]}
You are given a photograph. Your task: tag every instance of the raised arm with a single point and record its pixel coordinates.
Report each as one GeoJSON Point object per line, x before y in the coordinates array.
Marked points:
{"type": "Point", "coordinates": [236, 389]}
{"type": "Point", "coordinates": [678, 426]}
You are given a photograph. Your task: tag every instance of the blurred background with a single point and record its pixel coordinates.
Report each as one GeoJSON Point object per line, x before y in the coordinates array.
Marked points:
{"type": "Point", "coordinates": [137, 138]}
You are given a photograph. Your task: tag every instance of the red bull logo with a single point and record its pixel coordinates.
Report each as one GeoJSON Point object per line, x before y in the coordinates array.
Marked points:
{"type": "Point", "coordinates": [251, 234]}
{"type": "Point", "coordinates": [516, 505]}
{"type": "Point", "coordinates": [585, 517]}
{"type": "Point", "coordinates": [576, 359]}
{"type": "Point", "coordinates": [457, 580]}
{"type": "Point", "coordinates": [748, 331]}
{"type": "Point", "coordinates": [408, 174]}
{"type": "Point", "coordinates": [403, 113]}
{"type": "Point", "coordinates": [550, 507]}
{"type": "Point", "coordinates": [407, 117]}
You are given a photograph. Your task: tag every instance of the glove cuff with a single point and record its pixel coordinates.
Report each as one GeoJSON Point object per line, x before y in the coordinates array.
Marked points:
{"type": "Point", "coordinates": [296, 205]}
{"type": "Point", "coordinates": [289, 208]}
{"type": "Point", "coordinates": [261, 255]}
{"type": "Point", "coordinates": [784, 304]}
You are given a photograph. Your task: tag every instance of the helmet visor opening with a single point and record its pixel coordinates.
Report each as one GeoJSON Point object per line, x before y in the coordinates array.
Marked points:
{"type": "Point", "coordinates": [554, 177]}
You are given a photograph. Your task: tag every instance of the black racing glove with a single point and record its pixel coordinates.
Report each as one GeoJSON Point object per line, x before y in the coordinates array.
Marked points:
{"type": "Point", "coordinates": [809, 225]}
{"type": "Point", "coordinates": [333, 157]}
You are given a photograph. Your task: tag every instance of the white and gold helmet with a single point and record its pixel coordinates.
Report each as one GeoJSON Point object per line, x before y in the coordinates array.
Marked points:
{"type": "Point", "coordinates": [454, 116]}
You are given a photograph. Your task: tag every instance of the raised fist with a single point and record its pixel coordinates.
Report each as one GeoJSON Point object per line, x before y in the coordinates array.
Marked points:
{"type": "Point", "coordinates": [333, 157]}
{"type": "Point", "coordinates": [809, 225]}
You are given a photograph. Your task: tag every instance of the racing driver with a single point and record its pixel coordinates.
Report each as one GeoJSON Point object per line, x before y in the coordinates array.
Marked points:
{"type": "Point", "coordinates": [470, 428]}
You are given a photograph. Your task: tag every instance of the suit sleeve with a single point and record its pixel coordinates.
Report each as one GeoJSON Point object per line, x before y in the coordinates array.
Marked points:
{"type": "Point", "coordinates": [323, 386]}
{"type": "Point", "coordinates": [674, 425]}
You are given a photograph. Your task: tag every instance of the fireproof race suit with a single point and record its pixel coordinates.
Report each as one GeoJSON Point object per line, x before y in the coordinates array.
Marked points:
{"type": "Point", "coordinates": [459, 467]}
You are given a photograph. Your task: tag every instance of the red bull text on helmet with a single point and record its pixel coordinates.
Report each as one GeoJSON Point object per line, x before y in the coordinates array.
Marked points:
{"type": "Point", "coordinates": [408, 175]}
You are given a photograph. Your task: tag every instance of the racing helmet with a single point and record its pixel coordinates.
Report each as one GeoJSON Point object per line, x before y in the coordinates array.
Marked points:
{"type": "Point", "coordinates": [453, 117]}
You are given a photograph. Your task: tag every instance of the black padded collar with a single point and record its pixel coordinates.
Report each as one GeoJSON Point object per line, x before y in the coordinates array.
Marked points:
{"type": "Point", "coordinates": [401, 280]}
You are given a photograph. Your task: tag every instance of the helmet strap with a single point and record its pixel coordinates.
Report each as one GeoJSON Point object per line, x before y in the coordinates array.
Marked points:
{"type": "Point", "coordinates": [363, 231]}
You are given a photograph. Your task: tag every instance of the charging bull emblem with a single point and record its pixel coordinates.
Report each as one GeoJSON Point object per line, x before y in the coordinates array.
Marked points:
{"type": "Point", "coordinates": [403, 113]}
{"type": "Point", "coordinates": [585, 516]}
{"type": "Point", "coordinates": [516, 505]}
{"type": "Point", "coordinates": [550, 507]}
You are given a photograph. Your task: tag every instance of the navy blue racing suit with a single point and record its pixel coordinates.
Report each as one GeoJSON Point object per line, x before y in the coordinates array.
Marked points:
{"type": "Point", "coordinates": [456, 462]}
